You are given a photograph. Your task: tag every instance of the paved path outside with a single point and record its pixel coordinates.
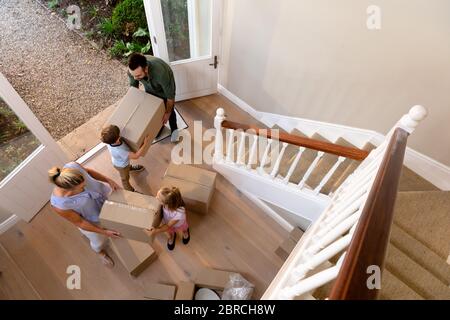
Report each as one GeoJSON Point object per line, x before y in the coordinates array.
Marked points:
{"type": "Point", "coordinates": [62, 78]}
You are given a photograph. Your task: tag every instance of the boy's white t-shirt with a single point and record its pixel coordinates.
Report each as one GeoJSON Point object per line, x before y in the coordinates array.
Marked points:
{"type": "Point", "coordinates": [120, 155]}
{"type": "Point", "coordinates": [178, 214]}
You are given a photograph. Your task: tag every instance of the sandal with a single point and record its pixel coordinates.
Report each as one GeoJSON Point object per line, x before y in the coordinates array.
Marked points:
{"type": "Point", "coordinates": [186, 240]}
{"type": "Point", "coordinates": [171, 246]}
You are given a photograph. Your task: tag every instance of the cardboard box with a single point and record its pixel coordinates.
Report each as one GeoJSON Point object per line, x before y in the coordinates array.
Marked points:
{"type": "Point", "coordinates": [129, 213]}
{"type": "Point", "coordinates": [157, 291]}
{"type": "Point", "coordinates": [135, 256]}
{"type": "Point", "coordinates": [137, 115]}
{"type": "Point", "coordinates": [212, 279]}
{"type": "Point", "coordinates": [185, 291]}
{"type": "Point", "coordinates": [196, 185]}
{"type": "Point", "coordinates": [296, 234]}
{"type": "Point", "coordinates": [285, 248]}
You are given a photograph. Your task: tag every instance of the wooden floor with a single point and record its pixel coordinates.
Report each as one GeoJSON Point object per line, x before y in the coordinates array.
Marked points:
{"type": "Point", "coordinates": [235, 235]}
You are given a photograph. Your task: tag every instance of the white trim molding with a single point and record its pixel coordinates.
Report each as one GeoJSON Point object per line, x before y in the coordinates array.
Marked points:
{"type": "Point", "coordinates": [428, 168]}
{"type": "Point", "coordinates": [8, 223]}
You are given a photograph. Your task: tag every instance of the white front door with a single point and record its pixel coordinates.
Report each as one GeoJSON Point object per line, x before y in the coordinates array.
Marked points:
{"type": "Point", "coordinates": [185, 33]}
{"type": "Point", "coordinates": [27, 151]}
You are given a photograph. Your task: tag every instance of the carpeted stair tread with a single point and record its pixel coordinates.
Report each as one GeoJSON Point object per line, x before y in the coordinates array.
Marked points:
{"type": "Point", "coordinates": [411, 181]}
{"type": "Point", "coordinates": [393, 288]}
{"type": "Point", "coordinates": [420, 253]}
{"type": "Point", "coordinates": [425, 215]}
{"type": "Point", "coordinates": [415, 276]}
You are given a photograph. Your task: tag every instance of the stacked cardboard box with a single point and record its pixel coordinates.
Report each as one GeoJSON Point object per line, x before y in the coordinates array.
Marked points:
{"type": "Point", "coordinates": [130, 213]}
{"type": "Point", "coordinates": [196, 185]}
{"type": "Point", "coordinates": [138, 114]}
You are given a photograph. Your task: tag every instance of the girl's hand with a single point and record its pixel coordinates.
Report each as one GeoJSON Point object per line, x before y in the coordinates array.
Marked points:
{"type": "Point", "coordinates": [150, 232]}
{"type": "Point", "coordinates": [114, 186]}
{"type": "Point", "coordinates": [112, 233]}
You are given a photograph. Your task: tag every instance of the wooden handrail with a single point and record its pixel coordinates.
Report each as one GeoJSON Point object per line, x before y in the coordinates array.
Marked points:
{"type": "Point", "coordinates": [351, 153]}
{"type": "Point", "coordinates": [371, 237]}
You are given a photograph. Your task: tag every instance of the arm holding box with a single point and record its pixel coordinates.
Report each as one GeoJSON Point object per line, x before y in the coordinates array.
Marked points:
{"type": "Point", "coordinates": [81, 223]}
{"type": "Point", "coordinates": [165, 227]}
{"type": "Point", "coordinates": [139, 153]}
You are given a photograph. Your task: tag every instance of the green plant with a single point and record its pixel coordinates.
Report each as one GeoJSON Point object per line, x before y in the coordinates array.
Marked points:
{"type": "Point", "coordinates": [63, 13]}
{"type": "Point", "coordinates": [118, 49]}
{"type": "Point", "coordinates": [52, 4]}
{"type": "Point", "coordinates": [128, 16]}
{"type": "Point", "coordinates": [141, 32]}
{"type": "Point", "coordinates": [93, 11]}
{"type": "Point", "coordinates": [137, 47]}
{"type": "Point", "coordinates": [89, 34]}
{"type": "Point", "coordinates": [20, 127]}
{"type": "Point", "coordinates": [106, 27]}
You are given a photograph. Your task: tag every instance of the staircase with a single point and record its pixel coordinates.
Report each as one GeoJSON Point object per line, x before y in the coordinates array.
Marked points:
{"type": "Point", "coordinates": [301, 186]}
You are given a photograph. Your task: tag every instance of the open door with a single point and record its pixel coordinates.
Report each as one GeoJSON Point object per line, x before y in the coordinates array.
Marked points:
{"type": "Point", "coordinates": [27, 151]}
{"type": "Point", "coordinates": [185, 33]}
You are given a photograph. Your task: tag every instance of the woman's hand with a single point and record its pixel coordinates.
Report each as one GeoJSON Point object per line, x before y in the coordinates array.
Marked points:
{"type": "Point", "coordinates": [112, 234]}
{"type": "Point", "coordinates": [114, 186]}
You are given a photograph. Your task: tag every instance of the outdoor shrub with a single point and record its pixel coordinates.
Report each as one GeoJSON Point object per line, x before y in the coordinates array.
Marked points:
{"type": "Point", "coordinates": [128, 16]}
{"type": "Point", "coordinates": [118, 49]}
{"type": "Point", "coordinates": [137, 47]}
{"type": "Point", "coordinates": [53, 4]}
{"type": "Point", "coordinates": [106, 27]}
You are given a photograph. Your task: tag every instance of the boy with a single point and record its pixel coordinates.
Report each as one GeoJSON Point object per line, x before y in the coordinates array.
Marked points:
{"type": "Point", "coordinates": [121, 154]}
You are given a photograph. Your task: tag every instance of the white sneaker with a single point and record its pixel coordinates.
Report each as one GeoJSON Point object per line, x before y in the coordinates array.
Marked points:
{"type": "Point", "coordinates": [174, 137]}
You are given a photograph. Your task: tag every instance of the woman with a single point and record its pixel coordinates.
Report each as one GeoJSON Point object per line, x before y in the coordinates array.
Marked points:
{"type": "Point", "coordinates": [78, 196]}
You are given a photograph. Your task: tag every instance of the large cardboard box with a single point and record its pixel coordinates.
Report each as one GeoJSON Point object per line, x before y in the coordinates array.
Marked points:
{"type": "Point", "coordinates": [196, 185]}
{"type": "Point", "coordinates": [185, 291]}
{"type": "Point", "coordinates": [129, 213]}
{"type": "Point", "coordinates": [135, 256]}
{"type": "Point", "coordinates": [137, 115]}
{"type": "Point", "coordinates": [157, 291]}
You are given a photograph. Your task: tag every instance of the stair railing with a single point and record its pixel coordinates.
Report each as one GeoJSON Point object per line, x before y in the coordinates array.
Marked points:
{"type": "Point", "coordinates": [352, 233]}
{"type": "Point", "coordinates": [269, 141]}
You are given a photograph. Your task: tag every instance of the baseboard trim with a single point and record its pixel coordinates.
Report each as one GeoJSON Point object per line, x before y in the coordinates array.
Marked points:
{"type": "Point", "coordinates": [8, 223]}
{"type": "Point", "coordinates": [428, 168]}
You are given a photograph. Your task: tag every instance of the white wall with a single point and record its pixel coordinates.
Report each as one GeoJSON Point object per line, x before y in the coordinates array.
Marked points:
{"type": "Point", "coordinates": [316, 59]}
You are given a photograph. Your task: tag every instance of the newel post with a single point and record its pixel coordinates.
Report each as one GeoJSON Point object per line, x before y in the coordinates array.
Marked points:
{"type": "Point", "coordinates": [411, 120]}
{"type": "Point", "coordinates": [218, 142]}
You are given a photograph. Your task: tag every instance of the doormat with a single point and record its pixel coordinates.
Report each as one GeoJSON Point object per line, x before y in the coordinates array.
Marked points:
{"type": "Point", "coordinates": [166, 131]}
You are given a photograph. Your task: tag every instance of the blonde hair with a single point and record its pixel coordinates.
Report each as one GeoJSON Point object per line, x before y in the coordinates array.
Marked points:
{"type": "Point", "coordinates": [66, 178]}
{"type": "Point", "coordinates": [170, 197]}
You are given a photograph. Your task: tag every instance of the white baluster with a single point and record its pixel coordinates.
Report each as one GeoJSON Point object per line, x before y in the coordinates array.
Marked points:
{"type": "Point", "coordinates": [252, 155]}
{"type": "Point", "coordinates": [310, 169]}
{"type": "Point", "coordinates": [265, 155]}
{"type": "Point", "coordinates": [313, 282]}
{"type": "Point", "coordinates": [230, 148]}
{"type": "Point", "coordinates": [329, 174]}
{"type": "Point", "coordinates": [276, 167]}
{"type": "Point", "coordinates": [294, 164]}
{"type": "Point", "coordinates": [240, 161]}
{"type": "Point", "coordinates": [324, 255]}
{"type": "Point", "coordinates": [335, 233]}
{"type": "Point", "coordinates": [218, 142]}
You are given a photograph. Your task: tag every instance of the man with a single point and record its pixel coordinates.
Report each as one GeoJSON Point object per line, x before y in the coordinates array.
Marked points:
{"type": "Point", "coordinates": [158, 80]}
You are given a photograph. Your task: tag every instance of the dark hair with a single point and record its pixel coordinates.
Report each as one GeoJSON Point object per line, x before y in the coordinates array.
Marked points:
{"type": "Point", "coordinates": [110, 134]}
{"type": "Point", "coordinates": [137, 60]}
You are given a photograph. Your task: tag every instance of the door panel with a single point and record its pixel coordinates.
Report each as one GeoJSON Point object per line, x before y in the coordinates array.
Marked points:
{"type": "Point", "coordinates": [185, 33]}
{"type": "Point", "coordinates": [28, 152]}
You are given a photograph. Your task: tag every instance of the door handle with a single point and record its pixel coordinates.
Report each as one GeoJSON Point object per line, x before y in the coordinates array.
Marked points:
{"type": "Point", "coordinates": [216, 62]}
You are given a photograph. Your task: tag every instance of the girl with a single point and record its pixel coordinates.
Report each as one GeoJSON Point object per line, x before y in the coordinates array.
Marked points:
{"type": "Point", "coordinates": [174, 216]}
{"type": "Point", "coordinates": [78, 196]}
